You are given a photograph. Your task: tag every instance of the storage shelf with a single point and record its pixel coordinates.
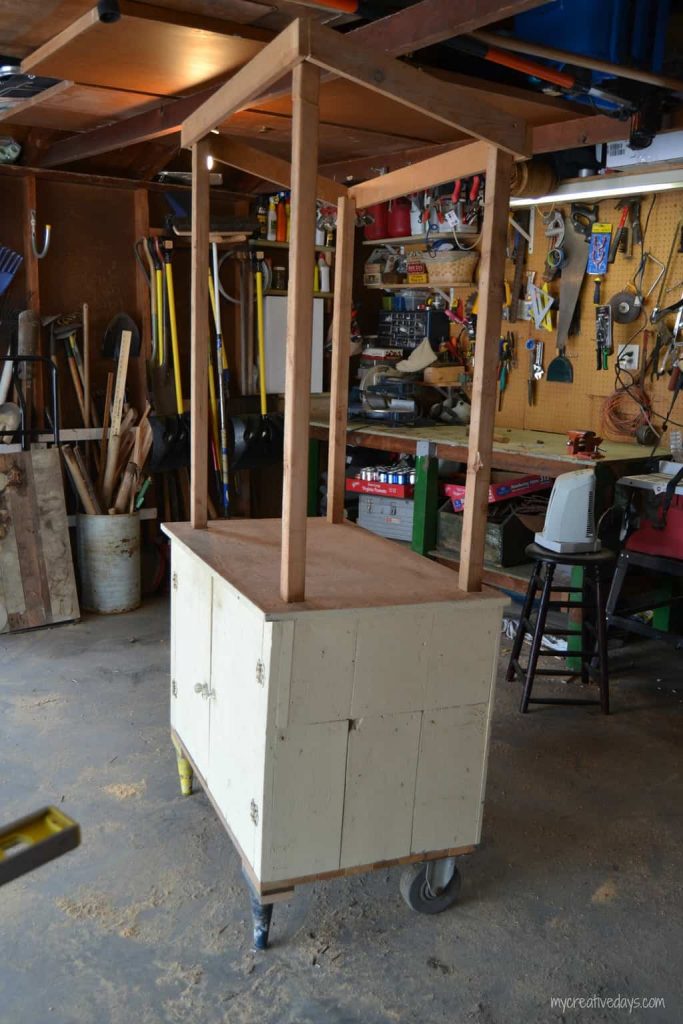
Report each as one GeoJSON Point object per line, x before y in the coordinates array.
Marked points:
{"type": "Point", "coordinates": [415, 239]}
{"type": "Point", "coordinates": [263, 243]}
{"type": "Point", "coordinates": [284, 291]}
{"type": "Point", "coordinates": [422, 287]}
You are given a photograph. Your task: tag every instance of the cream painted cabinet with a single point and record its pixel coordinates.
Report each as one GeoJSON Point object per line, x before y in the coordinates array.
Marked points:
{"type": "Point", "coordinates": [330, 737]}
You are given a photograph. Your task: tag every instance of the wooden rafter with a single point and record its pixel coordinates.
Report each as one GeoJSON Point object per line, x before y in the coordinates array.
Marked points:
{"type": "Point", "coordinates": [276, 59]}
{"type": "Point", "coordinates": [267, 167]}
{"type": "Point", "coordinates": [431, 21]}
{"type": "Point", "coordinates": [441, 101]}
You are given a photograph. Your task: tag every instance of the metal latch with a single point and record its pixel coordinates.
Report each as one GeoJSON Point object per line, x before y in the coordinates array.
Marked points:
{"type": "Point", "coordinates": [205, 691]}
{"type": "Point", "coordinates": [260, 672]}
{"type": "Point", "coordinates": [174, 688]}
{"type": "Point", "coordinates": [253, 812]}
{"type": "Point", "coordinates": [174, 580]}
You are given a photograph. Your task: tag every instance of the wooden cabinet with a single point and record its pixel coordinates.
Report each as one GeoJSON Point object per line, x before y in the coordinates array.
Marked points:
{"type": "Point", "coordinates": [331, 735]}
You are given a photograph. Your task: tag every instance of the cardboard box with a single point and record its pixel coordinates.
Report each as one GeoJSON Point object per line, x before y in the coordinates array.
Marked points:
{"type": "Point", "coordinates": [503, 485]}
{"type": "Point", "coordinates": [358, 486]}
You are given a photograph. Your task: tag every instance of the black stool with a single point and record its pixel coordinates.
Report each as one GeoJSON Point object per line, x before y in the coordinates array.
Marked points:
{"type": "Point", "coordinates": [596, 571]}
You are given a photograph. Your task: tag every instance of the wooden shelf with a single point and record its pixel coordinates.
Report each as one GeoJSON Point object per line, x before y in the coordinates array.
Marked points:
{"type": "Point", "coordinates": [263, 243]}
{"type": "Point", "coordinates": [422, 287]}
{"type": "Point", "coordinates": [285, 291]}
{"type": "Point", "coordinates": [416, 239]}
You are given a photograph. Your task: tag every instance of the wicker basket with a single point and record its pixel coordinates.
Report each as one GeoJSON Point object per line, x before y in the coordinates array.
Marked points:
{"type": "Point", "coordinates": [451, 266]}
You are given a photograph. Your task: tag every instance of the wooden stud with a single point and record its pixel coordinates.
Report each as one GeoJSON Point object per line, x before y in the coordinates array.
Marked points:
{"type": "Point", "coordinates": [271, 168]}
{"type": "Point", "coordinates": [451, 104]}
{"type": "Point", "coordinates": [305, 89]}
{"type": "Point", "coordinates": [480, 445]}
{"type": "Point", "coordinates": [32, 278]}
{"type": "Point", "coordinates": [341, 344]}
{"type": "Point", "coordinates": [459, 162]}
{"type": "Point", "coordinates": [199, 362]}
{"type": "Point", "coordinates": [86, 365]}
{"type": "Point", "coordinates": [262, 71]}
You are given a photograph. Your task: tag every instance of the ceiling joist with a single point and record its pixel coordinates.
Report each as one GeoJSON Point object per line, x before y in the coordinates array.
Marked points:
{"type": "Point", "coordinates": [457, 162]}
{"type": "Point", "coordinates": [442, 101]}
{"type": "Point", "coordinates": [266, 167]}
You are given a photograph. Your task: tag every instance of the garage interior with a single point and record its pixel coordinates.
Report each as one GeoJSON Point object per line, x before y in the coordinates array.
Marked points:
{"type": "Point", "coordinates": [341, 353]}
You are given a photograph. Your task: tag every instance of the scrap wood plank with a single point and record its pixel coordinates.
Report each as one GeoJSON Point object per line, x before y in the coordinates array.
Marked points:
{"type": "Point", "coordinates": [116, 416]}
{"type": "Point", "coordinates": [35, 555]}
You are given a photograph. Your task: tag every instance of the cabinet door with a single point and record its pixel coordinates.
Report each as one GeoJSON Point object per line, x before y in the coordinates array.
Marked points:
{"type": "Point", "coordinates": [191, 654]}
{"type": "Point", "coordinates": [239, 708]}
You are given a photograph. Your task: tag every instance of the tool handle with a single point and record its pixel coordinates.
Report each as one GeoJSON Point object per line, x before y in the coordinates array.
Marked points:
{"type": "Point", "coordinates": [596, 290]}
{"type": "Point", "coordinates": [675, 379]}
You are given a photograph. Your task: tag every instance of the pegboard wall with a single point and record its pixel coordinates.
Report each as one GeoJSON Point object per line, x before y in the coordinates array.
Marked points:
{"type": "Point", "coordinates": [578, 406]}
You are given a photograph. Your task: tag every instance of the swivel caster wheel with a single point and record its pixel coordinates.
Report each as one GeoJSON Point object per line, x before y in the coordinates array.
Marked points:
{"type": "Point", "coordinates": [432, 887]}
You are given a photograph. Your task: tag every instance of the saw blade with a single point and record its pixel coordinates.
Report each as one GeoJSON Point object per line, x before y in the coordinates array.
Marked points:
{"type": "Point", "coordinates": [626, 307]}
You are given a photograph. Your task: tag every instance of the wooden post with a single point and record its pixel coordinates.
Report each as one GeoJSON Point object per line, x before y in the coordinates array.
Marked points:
{"type": "Point", "coordinates": [31, 265]}
{"type": "Point", "coordinates": [305, 118]}
{"type": "Point", "coordinates": [341, 344]}
{"type": "Point", "coordinates": [199, 314]}
{"type": "Point", "coordinates": [491, 274]}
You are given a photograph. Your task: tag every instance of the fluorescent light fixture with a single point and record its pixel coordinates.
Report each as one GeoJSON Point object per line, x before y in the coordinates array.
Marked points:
{"type": "Point", "coordinates": [609, 186]}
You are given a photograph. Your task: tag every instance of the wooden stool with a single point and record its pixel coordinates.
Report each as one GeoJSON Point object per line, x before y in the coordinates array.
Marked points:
{"type": "Point", "coordinates": [593, 633]}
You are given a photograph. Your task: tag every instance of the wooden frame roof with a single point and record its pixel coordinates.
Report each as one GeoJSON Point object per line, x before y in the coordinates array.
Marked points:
{"type": "Point", "coordinates": [301, 51]}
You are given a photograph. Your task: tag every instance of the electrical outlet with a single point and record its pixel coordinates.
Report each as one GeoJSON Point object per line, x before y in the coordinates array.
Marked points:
{"type": "Point", "coordinates": [628, 357]}
{"type": "Point", "coordinates": [452, 219]}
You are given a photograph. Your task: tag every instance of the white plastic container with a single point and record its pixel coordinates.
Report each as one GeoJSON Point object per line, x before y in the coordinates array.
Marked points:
{"type": "Point", "coordinates": [109, 562]}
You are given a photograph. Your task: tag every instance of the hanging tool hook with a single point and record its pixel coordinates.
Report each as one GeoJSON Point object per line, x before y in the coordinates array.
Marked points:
{"type": "Point", "coordinates": [39, 255]}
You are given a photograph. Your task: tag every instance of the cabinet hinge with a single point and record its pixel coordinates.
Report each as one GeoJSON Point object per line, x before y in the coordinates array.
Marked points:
{"type": "Point", "coordinates": [260, 672]}
{"type": "Point", "coordinates": [174, 688]}
{"type": "Point", "coordinates": [174, 580]}
{"type": "Point", "coordinates": [253, 812]}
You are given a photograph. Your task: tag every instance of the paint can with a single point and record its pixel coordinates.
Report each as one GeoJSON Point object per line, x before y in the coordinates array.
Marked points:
{"type": "Point", "coordinates": [109, 562]}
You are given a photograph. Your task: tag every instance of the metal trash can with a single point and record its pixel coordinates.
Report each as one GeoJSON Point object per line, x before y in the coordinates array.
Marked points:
{"type": "Point", "coordinates": [109, 562]}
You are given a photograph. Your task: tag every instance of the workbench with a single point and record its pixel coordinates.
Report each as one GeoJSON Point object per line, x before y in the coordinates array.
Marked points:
{"type": "Point", "coordinates": [523, 451]}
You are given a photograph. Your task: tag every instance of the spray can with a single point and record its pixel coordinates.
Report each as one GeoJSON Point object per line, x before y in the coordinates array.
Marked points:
{"type": "Point", "coordinates": [272, 220]}
{"type": "Point", "coordinates": [323, 273]}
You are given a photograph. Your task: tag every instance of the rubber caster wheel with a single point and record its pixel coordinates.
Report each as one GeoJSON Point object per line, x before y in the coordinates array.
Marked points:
{"type": "Point", "coordinates": [422, 895]}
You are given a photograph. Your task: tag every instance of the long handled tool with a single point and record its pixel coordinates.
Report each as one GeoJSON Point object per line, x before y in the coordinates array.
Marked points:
{"type": "Point", "coordinates": [170, 292]}
{"type": "Point", "coordinates": [576, 249]}
{"type": "Point", "coordinates": [223, 383]}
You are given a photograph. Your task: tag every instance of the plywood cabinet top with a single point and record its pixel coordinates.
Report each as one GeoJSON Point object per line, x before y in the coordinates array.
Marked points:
{"type": "Point", "coordinates": [346, 566]}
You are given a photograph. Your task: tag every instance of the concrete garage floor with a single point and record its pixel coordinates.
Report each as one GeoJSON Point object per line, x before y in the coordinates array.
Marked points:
{"type": "Point", "coordinates": [576, 890]}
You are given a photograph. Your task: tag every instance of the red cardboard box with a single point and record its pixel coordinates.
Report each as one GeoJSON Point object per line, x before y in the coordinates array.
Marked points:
{"type": "Point", "coordinates": [503, 485]}
{"type": "Point", "coordinates": [375, 487]}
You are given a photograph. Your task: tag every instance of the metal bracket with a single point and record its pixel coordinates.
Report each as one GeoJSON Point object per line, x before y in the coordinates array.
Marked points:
{"type": "Point", "coordinates": [42, 253]}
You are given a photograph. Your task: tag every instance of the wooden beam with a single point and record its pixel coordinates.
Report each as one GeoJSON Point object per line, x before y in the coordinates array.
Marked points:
{"type": "Point", "coordinates": [341, 345]}
{"type": "Point", "coordinates": [480, 445]}
{"type": "Point", "coordinates": [442, 101]}
{"type": "Point", "coordinates": [432, 21]}
{"type": "Point", "coordinates": [199, 359]}
{"type": "Point", "coordinates": [276, 59]}
{"type": "Point", "coordinates": [306, 84]}
{"type": "Point", "coordinates": [580, 131]}
{"type": "Point", "coordinates": [153, 124]}
{"type": "Point", "coordinates": [458, 162]}
{"type": "Point", "coordinates": [270, 168]}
